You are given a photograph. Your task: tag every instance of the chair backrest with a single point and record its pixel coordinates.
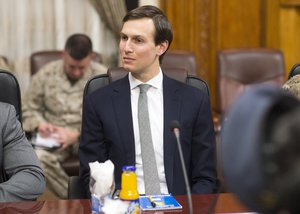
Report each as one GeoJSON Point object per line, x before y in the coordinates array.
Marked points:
{"type": "Point", "coordinates": [180, 59]}
{"type": "Point", "coordinates": [114, 74]}
{"type": "Point", "coordinates": [10, 91]}
{"type": "Point", "coordinates": [40, 58]}
{"type": "Point", "coordinates": [295, 70]}
{"type": "Point", "coordinates": [241, 68]}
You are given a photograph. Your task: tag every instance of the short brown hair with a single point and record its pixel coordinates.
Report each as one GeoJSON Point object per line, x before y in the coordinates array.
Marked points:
{"type": "Point", "coordinates": [79, 46]}
{"type": "Point", "coordinates": [163, 28]}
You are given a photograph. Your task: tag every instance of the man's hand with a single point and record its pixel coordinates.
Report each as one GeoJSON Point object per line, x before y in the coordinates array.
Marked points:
{"type": "Point", "coordinates": [66, 137]}
{"type": "Point", "coordinates": [46, 129]}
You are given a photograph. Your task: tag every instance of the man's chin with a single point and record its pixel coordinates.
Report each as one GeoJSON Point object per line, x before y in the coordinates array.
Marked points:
{"type": "Point", "coordinates": [127, 68]}
{"type": "Point", "coordinates": [73, 79]}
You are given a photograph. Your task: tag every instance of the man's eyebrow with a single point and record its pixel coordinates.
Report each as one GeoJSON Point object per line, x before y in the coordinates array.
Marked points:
{"type": "Point", "coordinates": [137, 36]}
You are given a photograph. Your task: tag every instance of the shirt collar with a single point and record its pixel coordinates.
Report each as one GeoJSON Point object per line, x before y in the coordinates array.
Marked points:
{"type": "Point", "coordinates": [155, 82]}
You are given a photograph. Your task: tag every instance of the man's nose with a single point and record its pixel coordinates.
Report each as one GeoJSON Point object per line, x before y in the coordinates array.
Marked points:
{"type": "Point", "coordinates": [128, 46]}
{"type": "Point", "coordinates": [77, 72]}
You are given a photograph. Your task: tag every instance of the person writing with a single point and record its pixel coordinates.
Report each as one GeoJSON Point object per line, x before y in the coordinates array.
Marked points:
{"type": "Point", "coordinates": [52, 106]}
{"type": "Point", "coordinates": [21, 177]}
{"type": "Point", "coordinates": [116, 127]}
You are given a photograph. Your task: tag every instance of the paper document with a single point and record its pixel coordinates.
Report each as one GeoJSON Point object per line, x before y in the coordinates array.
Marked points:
{"type": "Point", "coordinates": [46, 142]}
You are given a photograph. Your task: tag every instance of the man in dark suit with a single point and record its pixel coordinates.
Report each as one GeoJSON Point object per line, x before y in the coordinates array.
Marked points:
{"type": "Point", "coordinates": [110, 128]}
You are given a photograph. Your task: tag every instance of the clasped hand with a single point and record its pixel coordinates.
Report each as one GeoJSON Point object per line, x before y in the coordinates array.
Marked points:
{"type": "Point", "coordinates": [64, 136]}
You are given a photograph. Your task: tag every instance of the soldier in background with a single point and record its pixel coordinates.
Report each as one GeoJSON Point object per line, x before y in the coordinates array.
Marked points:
{"type": "Point", "coordinates": [52, 106]}
{"type": "Point", "coordinates": [293, 86]}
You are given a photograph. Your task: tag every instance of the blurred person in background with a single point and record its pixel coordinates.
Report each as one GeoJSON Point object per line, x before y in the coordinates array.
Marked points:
{"type": "Point", "coordinates": [53, 103]}
{"type": "Point", "coordinates": [293, 86]}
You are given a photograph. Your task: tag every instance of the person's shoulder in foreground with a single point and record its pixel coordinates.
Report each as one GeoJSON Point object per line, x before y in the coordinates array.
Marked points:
{"type": "Point", "coordinates": [21, 175]}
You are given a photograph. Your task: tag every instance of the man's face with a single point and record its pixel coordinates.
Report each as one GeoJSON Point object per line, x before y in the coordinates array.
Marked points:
{"type": "Point", "coordinates": [75, 68]}
{"type": "Point", "coordinates": [137, 47]}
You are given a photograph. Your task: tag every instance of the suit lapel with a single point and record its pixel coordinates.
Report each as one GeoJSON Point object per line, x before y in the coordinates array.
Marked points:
{"type": "Point", "coordinates": [171, 112]}
{"type": "Point", "coordinates": [122, 106]}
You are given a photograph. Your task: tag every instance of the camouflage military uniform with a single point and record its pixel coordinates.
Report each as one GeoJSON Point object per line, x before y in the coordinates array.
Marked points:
{"type": "Point", "coordinates": [52, 98]}
{"type": "Point", "coordinates": [293, 86]}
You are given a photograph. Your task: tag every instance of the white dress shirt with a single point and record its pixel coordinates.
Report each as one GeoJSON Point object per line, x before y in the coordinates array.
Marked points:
{"type": "Point", "coordinates": [156, 115]}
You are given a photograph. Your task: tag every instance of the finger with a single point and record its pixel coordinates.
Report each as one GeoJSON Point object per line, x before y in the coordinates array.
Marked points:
{"type": "Point", "coordinates": [44, 133]}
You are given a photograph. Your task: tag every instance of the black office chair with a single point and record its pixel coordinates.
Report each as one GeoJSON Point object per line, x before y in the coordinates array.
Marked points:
{"type": "Point", "coordinates": [75, 188]}
{"type": "Point", "coordinates": [295, 70]}
{"type": "Point", "coordinates": [10, 91]}
{"type": "Point", "coordinates": [114, 74]}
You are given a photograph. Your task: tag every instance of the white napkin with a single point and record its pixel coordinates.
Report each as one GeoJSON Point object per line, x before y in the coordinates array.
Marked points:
{"type": "Point", "coordinates": [114, 206]}
{"type": "Point", "coordinates": [102, 186]}
{"type": "Point", "coordinates": [102, 178]}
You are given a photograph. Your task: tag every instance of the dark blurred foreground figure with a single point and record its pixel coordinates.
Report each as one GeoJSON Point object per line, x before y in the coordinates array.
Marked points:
{"type": "Point", "coordinates": [21, 177]}
{"type": "Point", "coordinates": [261, 150]}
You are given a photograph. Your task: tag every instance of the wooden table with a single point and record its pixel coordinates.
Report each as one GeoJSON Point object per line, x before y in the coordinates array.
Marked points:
{"type": "Point", "coordinates": [223, 203]}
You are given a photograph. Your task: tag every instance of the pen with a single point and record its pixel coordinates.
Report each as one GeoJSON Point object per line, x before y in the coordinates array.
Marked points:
{"type": "Point", "coordinates": [151, 201]}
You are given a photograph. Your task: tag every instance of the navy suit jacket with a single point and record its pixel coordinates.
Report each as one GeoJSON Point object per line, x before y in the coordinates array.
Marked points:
{"type": "Point", "coordinates": [107, 133]}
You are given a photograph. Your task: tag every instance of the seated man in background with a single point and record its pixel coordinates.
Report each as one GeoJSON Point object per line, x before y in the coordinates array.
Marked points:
{"type": "Point", "coordinates": [293, 86]}
{"type": "Point", "coordinates": [21, 177]}
{"type": "Point", "coordinates": [112, 128]}
{"type": "Point", "coordinates": [53, 102]}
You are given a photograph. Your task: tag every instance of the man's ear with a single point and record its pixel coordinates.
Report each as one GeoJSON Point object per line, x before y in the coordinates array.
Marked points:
{"type": "Point", "coordinates": [93, 55]}
{"type": "Point", "coordinates": [162, 48]}
{"type": "Point", "coordinates": [63, 54]}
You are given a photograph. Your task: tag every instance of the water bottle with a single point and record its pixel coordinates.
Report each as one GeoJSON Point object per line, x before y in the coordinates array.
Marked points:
{"type": "Point", "coordinates": [129, 190]}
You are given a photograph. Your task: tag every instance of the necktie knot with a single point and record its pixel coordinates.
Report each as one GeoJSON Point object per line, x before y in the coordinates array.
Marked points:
{"type": "Point", "coordinates": [144, 88]}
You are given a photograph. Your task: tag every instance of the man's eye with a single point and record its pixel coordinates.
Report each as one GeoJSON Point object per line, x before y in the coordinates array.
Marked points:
{"type": "Point", "coordinates": [138, 40]}
{"type": "Point", "coordinates": [123, 38]}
